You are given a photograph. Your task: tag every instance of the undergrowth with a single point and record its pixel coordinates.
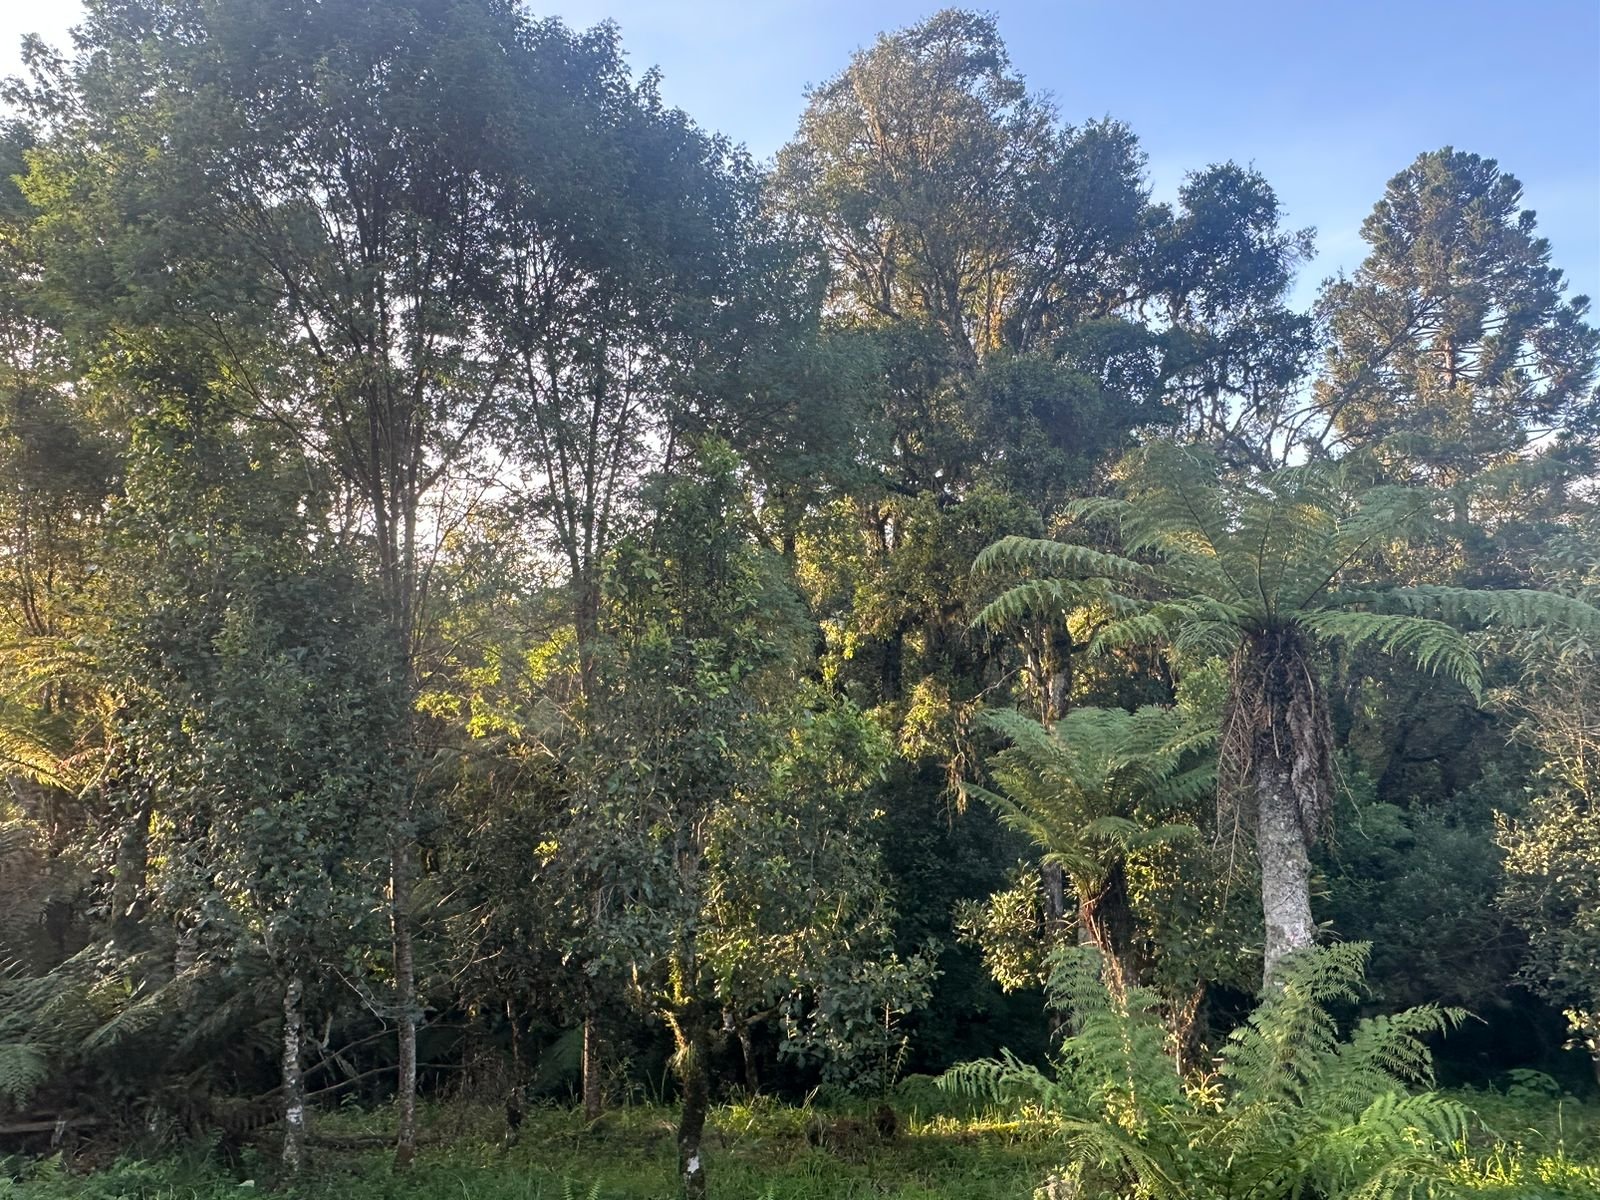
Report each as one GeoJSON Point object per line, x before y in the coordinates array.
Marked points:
{"type": "Point", "coordinates": [1524, 1143]}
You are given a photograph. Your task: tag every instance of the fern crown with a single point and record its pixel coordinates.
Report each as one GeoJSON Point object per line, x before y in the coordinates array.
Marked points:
{"type": "Point", "coordinates": [1205, 563]}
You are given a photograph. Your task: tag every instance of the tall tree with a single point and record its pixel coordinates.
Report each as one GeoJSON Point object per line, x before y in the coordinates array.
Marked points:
{"type": "Point", "coordinates": [323, 174]}
{"type": "Point", "coordinates": [441, 224]}
{"type": "Point", "coordinates": [715, 811]}
{"type": "Point", "coordinates": [1453, 345]}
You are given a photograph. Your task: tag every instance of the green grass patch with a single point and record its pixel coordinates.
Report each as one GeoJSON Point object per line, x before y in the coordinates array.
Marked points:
{"type": "Point", "coordinates": [1526, 1147]}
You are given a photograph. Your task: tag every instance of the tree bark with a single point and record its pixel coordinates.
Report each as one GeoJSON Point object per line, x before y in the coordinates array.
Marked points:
{"type": "Point", "coordinates": [132, 864]}
{"type": "Point", "coordinates": [405, 973]}
{"type": "Point", "coordinates": [1106, 923]}
{"type": "Point", "coordinates": [1053, 881]}
{"type": "Point", "coordinates": [294, 1087]}
{"type": "Point", "coordinates": [1285, 865]}
{"type": "Point", "coordinates": [692, 1045]}
{"type": "Point", "coordinates": [593, 1097]}
{"type": "Point", "coordinates": [732, 1023]}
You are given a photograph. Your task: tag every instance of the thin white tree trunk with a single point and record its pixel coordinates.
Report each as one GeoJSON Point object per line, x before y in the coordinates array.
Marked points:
{"type": "Point", "coordinates": [405, 972]}
{"type": "Point", "coordinates": [593, 1095]}
{"type": "Point", "coordinates": [294, 1089]}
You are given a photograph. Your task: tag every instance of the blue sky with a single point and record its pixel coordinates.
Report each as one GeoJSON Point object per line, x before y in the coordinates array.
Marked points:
{"type": "Point", "coordinates": [1327, 98]}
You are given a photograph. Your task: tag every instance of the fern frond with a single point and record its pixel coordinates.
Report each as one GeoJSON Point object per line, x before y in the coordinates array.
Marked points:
{"type": "Point", "coordinates": [1509, 609]}
{"type": "Point", "coordinates": [1060, 559]}
{"type": "Point", "coordinates": [1432, 645]}
{"type": "Point", "coordinates": [23, 1067]}
{"type": "Point", "coordinates": [1047, 598]}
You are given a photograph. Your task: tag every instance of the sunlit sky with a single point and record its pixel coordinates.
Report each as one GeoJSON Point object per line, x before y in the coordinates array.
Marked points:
{"type": "Point", "coordinates": [1327, 98]}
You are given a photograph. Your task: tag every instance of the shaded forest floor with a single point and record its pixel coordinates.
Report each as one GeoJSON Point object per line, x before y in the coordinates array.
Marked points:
{"type": "Point", "coordinates": [761, 1152]}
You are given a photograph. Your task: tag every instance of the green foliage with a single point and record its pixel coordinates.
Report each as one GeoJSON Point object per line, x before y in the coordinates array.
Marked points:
{"type": "Point", "coordinates": [1231, 557]}
{"type": "Point", "coordinates": [1102, 793]}
{"type": "Point", "coordinates": [1419, 882]}
{"type": "Point", "coordinates": [1292, 1105]}
{"type": "Point", "coordinates": [1452, 345]}
{"type": "Point", "coordinates": [729, 826]}
{"type": "Point", "coordinates": [1261, 570]}
{"type": "Point", "coordinates": [478, 551]}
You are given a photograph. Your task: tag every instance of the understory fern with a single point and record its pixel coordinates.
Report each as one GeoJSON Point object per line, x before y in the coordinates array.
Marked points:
{"type": "Point", "coordinates": [1292, 1110]}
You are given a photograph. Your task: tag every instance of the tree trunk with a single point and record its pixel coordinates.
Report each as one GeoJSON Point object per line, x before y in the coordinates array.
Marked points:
{"type": "Point", "coordinates": [1285, 865]}
{"type": "Point", "coordinates": [732, 1023]}
{"type": "Point", "coordinates": [294, 1088]}
{"type": "Point", "coordinates": [1105, 922]}
{"type": "Point", "coordinates": [593, 1097]}
{"type": "Point", "coordinates": [132, 863]}
{"type": "Point", "coordinates": [405, 982]}
{"type": "Point", "coordinates": [692, 1039]}
{"type": "Point", "coordinates": [1053, 881]}
{"type": "Point", "coordinates": [1183, 1028]}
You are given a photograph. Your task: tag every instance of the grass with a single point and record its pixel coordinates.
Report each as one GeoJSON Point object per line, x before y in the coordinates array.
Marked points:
{"type": "Point", "coordinates": [760, 1152]}
{"type": "Point", "coordinates": [1526, 1147]}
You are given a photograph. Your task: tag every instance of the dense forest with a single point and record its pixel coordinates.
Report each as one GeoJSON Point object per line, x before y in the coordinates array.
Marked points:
{"type": "Point", "coordinates": [508, 601]}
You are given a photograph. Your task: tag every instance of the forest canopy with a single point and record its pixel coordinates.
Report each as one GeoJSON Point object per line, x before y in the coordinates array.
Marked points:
{"type": "Point", "coordinates": [505, 597]}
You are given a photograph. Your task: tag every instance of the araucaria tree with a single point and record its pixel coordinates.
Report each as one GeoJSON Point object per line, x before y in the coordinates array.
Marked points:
{"type": "Point", "coordinates": [1269, 572]}
{"type": "Point", "coordinates": [1453, 347]}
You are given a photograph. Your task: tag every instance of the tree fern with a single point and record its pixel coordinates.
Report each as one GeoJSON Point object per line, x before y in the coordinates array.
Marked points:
{"type": "Point", "coordinates": [1262, 570]}
{"type": "Point", "coordinates": [1294, 1110]}
{"type": "Point", "coordinates": [23, 1067]}
{"type": "Point", "coordinates": [1095, 787]}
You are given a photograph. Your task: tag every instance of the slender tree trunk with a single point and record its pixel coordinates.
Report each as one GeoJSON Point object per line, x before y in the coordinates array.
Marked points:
{"type": "Point", "coordinates": [1285, 865]}
{"type": "Point", "coordinates": [405, 979]}
{"type": "Point", "coordinates": [692, 1075]}
{"type": "Point", "coordinates": [294, 1088]}
{"type": "Point", "coordinates": [593, 1097]}
{"type": "Point", "coordinates": [1054, 886]}
{"type": "Point", "coordinates": [732, 1023]}
{"type": "Point", "coordinates": [132, 863]}
{"type": "Point", "coordinates": [1053, 881]}
{"type": "Point", "coordinates": [1183, 1028]}
{"type": "Point", "coordinates": [747, 1051]}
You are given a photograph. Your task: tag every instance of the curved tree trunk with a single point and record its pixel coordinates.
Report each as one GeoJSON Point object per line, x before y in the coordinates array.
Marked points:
{"type": "Point", "coordinates": [1285, 865]}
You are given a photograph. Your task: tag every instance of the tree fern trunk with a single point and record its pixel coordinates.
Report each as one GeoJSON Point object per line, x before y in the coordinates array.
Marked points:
{"type": "Point", "coordinates": [1285, 865]}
